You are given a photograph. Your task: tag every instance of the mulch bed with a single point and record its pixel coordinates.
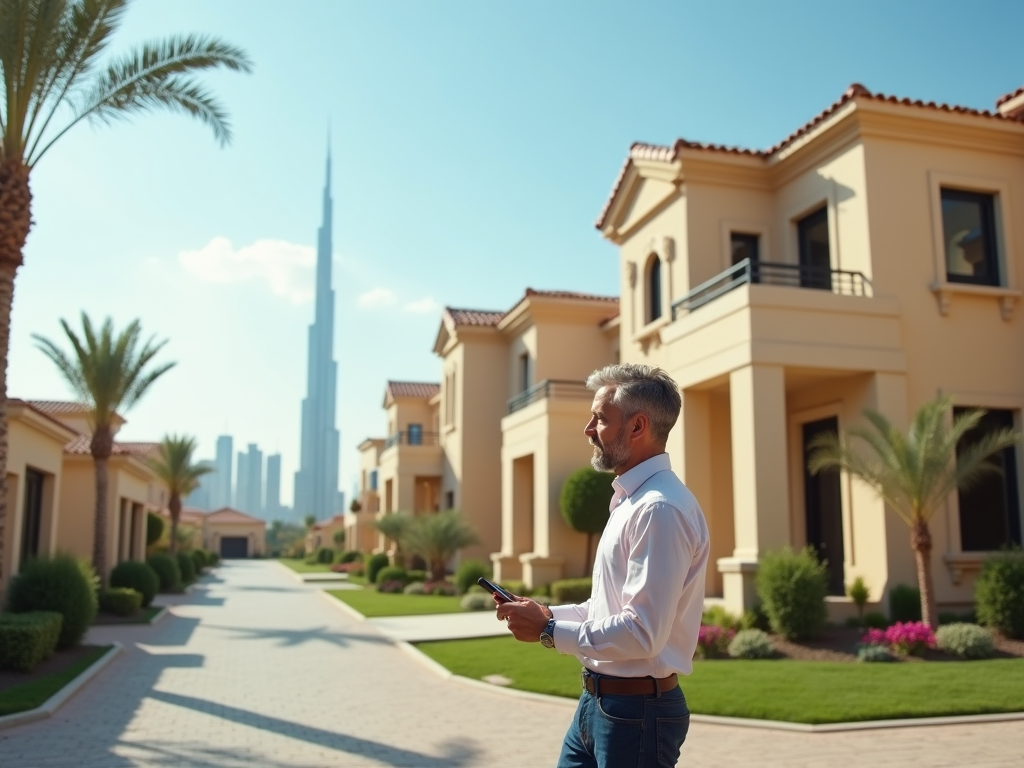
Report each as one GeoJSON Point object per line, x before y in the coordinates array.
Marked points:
{"type": "Point", "coordinates": [58, 662]}
{"type": "Point", "coordinates": [141, 617]}
{"type": "Point", "coordinates": [840, 644]}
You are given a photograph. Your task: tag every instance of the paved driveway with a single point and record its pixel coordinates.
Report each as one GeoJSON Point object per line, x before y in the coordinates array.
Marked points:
{"type": "Point", "coordinates": [255, 669]}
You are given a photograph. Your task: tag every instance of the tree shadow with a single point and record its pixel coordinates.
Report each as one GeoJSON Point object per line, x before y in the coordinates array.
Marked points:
{"type": "Point", "coordinates": [288, 638]}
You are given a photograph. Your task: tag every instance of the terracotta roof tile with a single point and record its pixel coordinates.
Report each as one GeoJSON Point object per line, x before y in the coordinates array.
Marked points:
{"type": "Point", "coordinates": [569, 295]}
{"type": "Point", "coordinates": [55, 407]}
{"type": "Point", "coordinates": [1007, 96]}
{"type": "Point", "coordinates": [412, 389]}
{"type": "Point", "coordinates": [481, 317]}
{"type": "Point", "coordinates": [232, 516]}
{"type": "Point", "coordinates": [81, 446]}
{"type": "Point", "coordinates": [32, 407]}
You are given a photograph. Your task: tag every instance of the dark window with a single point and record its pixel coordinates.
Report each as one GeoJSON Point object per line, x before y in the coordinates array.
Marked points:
{"type": "Point", "coordinates": [746, 247]}
{"type": "Point", "coordinates": [969, 235]}
{"type": "Point", "coordinates": [815, 259]}
{"type": "Point", "coordinates": [373, 479]}
{"type": "Point", "coordinates": [989, 509]}
{"type": "Point", "coordinates": [33, 514]}
{"type": "Point", "coordinates": [823, 504]}
{"type": "Point", "coordinates": [449, 499]}
{"type": "Point", "coordinates": [415, 434]}
{"type": "Point", "coordinates": [654, 290]}
{"type": "Point", "coordinates": [524, 372]}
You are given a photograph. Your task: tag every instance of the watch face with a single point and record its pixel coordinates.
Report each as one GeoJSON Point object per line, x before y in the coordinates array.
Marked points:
{"type": "Point", "coordinates": [547, 640]}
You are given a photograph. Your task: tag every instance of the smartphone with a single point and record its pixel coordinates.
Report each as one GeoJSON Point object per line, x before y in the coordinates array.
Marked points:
{"type": "Point", "coordinates": [503, 594]}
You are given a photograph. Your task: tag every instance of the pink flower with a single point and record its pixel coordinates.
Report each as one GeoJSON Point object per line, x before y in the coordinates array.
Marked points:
{"type": "Point", "coordinates": [713, 640]}
{"type": "Point", "coordinates": [911, 637]}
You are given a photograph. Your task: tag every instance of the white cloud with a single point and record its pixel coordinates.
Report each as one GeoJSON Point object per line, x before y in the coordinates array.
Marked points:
{"type": "Point", "coordinates": [286, 267]}
{"type": "Point", "coordinates": [424, 306]}
{"type": "Point", "coordinates": [376, 297]}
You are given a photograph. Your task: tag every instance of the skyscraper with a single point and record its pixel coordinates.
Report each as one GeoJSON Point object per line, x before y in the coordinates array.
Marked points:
{"type": "Point", "coordinates": [220, 480]}
{"type": "Point", "coordinates": [272, 500]}
{"type": "Point", "coordinates": [316, 482]}
{"type": "Point", "coordinates": [250, 481]}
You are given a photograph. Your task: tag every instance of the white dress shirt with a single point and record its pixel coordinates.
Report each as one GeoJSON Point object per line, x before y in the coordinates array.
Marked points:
{"type": "Point", "coordinates": [644, 612]}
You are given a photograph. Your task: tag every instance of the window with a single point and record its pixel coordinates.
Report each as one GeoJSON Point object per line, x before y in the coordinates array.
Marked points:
{"type": "Point", "coordinates": [33, 519]}
{"type": "Point", "coordinates": [746, 247]}
{"type": "Point", "coordinates": [654, 289]}
{"type": "Point", "coordinates": [990, 509]}
{"type": "Point", "coordinates": [415, 434]}
{"type": "Point", "coordinates": [373, 479]}
{"type": "Point", "coordinates": [524, 371]}
{"type": "Point", "coordinates": [823, 509]}
{"type": "Point", "coordinates": [449, 499]}
{"type": "Point", "coordinates": [815, 258]}
{"type": "Point", "coordinates": [968, 234]}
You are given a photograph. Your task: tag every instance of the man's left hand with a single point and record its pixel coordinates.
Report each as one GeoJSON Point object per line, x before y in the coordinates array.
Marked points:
{"type": "Point", "coordinates": [526, 619]}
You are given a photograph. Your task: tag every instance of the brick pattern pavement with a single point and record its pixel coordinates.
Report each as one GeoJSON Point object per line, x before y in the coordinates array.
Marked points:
{"type": "Point", "coordinates": [253, 669]}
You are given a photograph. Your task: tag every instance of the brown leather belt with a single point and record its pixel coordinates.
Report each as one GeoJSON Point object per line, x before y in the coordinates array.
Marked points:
{"type": "Point", "coordinates": [626, 686]}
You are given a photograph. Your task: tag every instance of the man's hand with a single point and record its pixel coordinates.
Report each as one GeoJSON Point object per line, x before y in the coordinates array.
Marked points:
{"type": "Point", "coordinates": [526, 618]}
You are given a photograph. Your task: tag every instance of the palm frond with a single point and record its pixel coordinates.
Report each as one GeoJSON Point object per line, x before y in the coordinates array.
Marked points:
{"type": "Point", "coordinates": [173, 464]}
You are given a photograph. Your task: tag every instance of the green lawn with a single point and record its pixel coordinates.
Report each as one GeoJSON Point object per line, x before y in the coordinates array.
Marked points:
{"type": "Point", "coordinates": [18, 698]}
{"type": "Point", "coordinates": [795, 691]}
{"type": "Point", "coordinates": [300, 566]}
{"type": "Point", "coordinates": [371, 603]}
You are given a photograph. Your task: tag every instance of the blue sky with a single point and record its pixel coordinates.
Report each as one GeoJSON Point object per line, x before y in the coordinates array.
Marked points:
{"type": "Point", "coordinates": [474, 143]}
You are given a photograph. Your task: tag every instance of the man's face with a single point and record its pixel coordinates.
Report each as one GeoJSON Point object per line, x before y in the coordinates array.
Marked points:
{"type": "Point", "coordinates": [607, 432]}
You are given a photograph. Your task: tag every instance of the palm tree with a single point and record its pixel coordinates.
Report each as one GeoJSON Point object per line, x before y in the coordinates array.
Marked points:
{"type": "Point", "coordinates": [437, 537]}
{"type": "Point", "coordinates": [394, 526]}
{"type": "Point", "coordinates": [916, 472]}
{"type": "Point", "coordinates": [109, 373]}
{"type": "Point", "coordinates": [173, 465]}
{"type": "Point", "coordinates": [50, 54]}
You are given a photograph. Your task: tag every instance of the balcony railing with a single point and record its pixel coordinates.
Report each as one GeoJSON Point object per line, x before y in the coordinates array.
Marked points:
{"type": "Point", "coordinates": [411, 437]}
{"type": "Point", "coordinates": [553, 388]}
{"type": "Point", "coordinates": [838, 281]}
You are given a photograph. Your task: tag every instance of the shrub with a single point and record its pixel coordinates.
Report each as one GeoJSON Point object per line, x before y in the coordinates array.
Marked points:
{"type": "Point", "coordinates": [541, 590]}
{"type": "Point", "coordinates": [717, 616]}
{"type": "Point", "coordinates": [28, 638]}
{"type": "Point", "coordinates": [859, 594]}
{"type": "Point", "coordinates": [390, 586]}
{"type": "Point", "coordinates": [120, 601]}
{"type": "Point", "coordinates": [212, 558]}
{"type": "Point", "coordinates": [949, 617]}
{"type": "Point", "coordinates": [167, 570]}
{"type": "Point", "coordinates": [755, 618]}
{"type": "Point", "coordinates": [999, 593]}
{"type": "Point", "coordinates": [374, 566]}
{"type": "Point", "coordinates": [349, 556]}
{"type": "Point", "coordinates": [416, 575]}
{"type": "Point", "coordinates": [516, 587]}
{"type": "Point", "coordinates": [187, 567]}
{"type": "Point", "coordinates": [198, 560]}
{"type": "Point", "coordinates": [154, 528]}
{"type": "Point", "coordinates": [392, 573]}
{"type": "Point", "coordinates": [132, 574]}
{"type": "Point", "coordinates": [61, 584]}
{"type": "Point", "coordinates": [325, 555]}
{"type": "Point", "coordinates": [440, 588]}
{"type": "Point", "coordinates": [415, 588]}
{"type": "Point", "coordinates": [751, 644]}
{"type": "Point", "coordinates": [872, 653]}
{"type": "Point", "coordinates": [904, 603]}
{"type": "Point", "coordinates": [713, 641]}
{"type": "Point", "coordinates": [477, 601]}
{"type": "Point", "coordinates": [792, 588]}
{"type": "Point", "coordinates": [876, 620]}
{"type": "Point", "coordinates": [911, 638]}
{"type": "Point", "coordinates": [468, 572]}
{"type": "Point", "coordinates": [968, 641]}
{"type": "Point", "coordinates": [571, 591]}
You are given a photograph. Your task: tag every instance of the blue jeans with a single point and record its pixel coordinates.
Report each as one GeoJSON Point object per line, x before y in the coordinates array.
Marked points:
{"type": "Point", "coordinates": [642, 731]}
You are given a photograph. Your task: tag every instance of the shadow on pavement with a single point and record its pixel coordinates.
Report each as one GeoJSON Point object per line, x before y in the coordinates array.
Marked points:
{"type": "Point", "coordinates": [175, 630]}
{"type": "Point", "coordinates": [291, 637]}
{"type": "Point", "coordinates": [456, 753]}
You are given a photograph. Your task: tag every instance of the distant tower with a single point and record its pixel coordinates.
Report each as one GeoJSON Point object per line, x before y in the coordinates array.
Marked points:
{"type": "Point", "coordinates": [220, 482]}
{"type": "Point", "coordinates": [316, 482]}
{"type": "Point", "coordinates": [272, 500]}
{"type": "Point", "coordinates": [242, 484]}
{"type": "Point", "coordinates": [250, 481]}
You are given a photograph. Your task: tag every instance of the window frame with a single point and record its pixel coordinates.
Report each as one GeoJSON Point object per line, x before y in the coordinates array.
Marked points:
{"type": "Point", "coordinates": [992, 245]}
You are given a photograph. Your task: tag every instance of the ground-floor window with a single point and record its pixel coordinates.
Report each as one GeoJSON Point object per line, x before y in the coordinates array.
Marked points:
{"type": "Point", "coordinates": [823, 507]}
{"type": "Point", "coordinates": [990, 509]}
{"type": "Point", "coordinates": [32, 521]}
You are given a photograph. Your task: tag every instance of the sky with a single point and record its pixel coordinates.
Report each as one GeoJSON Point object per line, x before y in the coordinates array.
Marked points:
{"type": "Point", "coordinates": [473, 143]}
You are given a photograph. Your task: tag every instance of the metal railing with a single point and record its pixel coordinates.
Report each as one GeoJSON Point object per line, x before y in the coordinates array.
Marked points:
{"type": "Point", "coordinates": [553, 388]}
{"type": "Point", "coordinates": [839, 281]}
{"type": "Point", "coordinates": [411, 437]}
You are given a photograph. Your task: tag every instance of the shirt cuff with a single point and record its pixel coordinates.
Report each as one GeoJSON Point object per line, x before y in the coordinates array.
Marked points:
{"type": "Point", "coordinates": [567, 637]}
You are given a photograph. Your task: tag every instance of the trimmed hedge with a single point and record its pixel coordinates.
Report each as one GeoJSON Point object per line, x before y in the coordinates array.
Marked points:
{"type": "Point", "coordinates": [325, 555]}
{"type": "Point", "coordinates": [167, 570]}
{"type": "Point", "coordinates": [120, 601]}
{"type": "Point", "coordinates": [904, 604]}
{"type": "Point", "coordinates": [792, 588]}
{"type": "Point", "coordinates": [350, 556]}
{"type": "Point", "coordinates": [392, 573]}
{"type": "Point", "coordinates": [132, 574]}
{"type": "Point", "coordinates": [571, 591]}
{"type": "Point", "coordinates": [62, 584]}
{"type": "Point", "coordinates": [999, 593]}
{"type": "Point", "coordinates": [187, 567]}
{"type": "Point", "coordinates": [468, 572]}
{"type": "Point", "coordinates": [198, 560]}
{"type": "Point", "coordinates": [374, 566]}
{"type": "Point", "coordinates": [26, 639]}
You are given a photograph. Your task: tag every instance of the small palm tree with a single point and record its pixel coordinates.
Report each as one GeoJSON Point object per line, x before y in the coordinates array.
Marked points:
{"type": "Point", "coordinates": [437, 537]}
{"type": "Point", "coordinates": [914, 473]}
{"type": "Point", "coordinates": [108, 372]}
{"type": "Point", "coordinates": [173, 465]}
{"type": "Point", "coordinates": [52, 80]}
{"type": "Point", "coordinates": [395, 526]}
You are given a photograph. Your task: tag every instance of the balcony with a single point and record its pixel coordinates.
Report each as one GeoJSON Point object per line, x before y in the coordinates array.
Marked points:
{"type": "Point", "coordinates": [411, 437]}
{"type": "Point", "coordinates": [549, 388]}
{"type": "Point", "coordinates": [837, 281]}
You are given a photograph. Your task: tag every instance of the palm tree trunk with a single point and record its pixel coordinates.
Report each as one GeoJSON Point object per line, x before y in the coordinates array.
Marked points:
{"type": "Point", "coordinates": [437, 569]}
{"type": "Point", "coordinates": [921, 542]}
{"type": "Point", "coordinates": [15, 223]}
{"type": "Point", "coordinates": [102, 446]}
{"type": "Point", "coordinates": [174, 507]}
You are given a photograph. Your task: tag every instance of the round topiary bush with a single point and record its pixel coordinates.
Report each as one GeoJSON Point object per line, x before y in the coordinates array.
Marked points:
{"type": "Point", "coordinates": [968, 641]}
{"type": "Point", "coordinates": [999, 593]}
{"type": "Point", "coordinates": [187, 567]}
{"type": "Point", "coordinates": [61, 584]}
{"type": "Point", "coordinates": [167, 570]}
{"type": "Point", "coordinates": [374, 566]}
{"type": "Point", "coordinates": [792, 588]}
{"type": "Point", "coordinates": [132, 574]}
{"type": "Point", "coordinates": [392, 573]}
{"type": "Point", "coordinates": [120, 601]}
{"type": "Point", "coordinates": [325, 555]}
{"type": "Point", "coordinates": [350, 556]}
{"type": "Point", "coordinates": [751, 644]}
{"type": "Point", "coordinates": [154, 528]}
{"type": "Point", "coordinates": [468, 572]}
{"type": "Point", "coordinates": [199, 560]}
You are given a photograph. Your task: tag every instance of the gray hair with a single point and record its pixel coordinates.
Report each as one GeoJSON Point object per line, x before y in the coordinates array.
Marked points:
{"type": "Point", "coordinates": [642, 389]}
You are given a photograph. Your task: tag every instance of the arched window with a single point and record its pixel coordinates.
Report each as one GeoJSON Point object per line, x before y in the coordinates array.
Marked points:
{"type": "Point", "coordinates": [653, 288]}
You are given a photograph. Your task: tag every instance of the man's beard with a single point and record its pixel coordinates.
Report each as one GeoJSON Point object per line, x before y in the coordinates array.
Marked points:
{"type": "Point", "coordinates": [612, 454]}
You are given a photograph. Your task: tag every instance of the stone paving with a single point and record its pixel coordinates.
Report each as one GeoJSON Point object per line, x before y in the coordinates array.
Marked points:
{"type": "Point", "coordinates": [255, 669]}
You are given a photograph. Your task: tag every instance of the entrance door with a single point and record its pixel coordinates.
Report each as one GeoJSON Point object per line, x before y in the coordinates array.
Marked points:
{"type": "Point", "coordinates": [32, 521]}
{"type": "Point", "coordinates": [234, 547]}
{"type": "Point", "coordinates": [823, 504]}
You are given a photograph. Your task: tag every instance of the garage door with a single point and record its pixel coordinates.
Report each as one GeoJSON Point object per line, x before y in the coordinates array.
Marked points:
{"type": "Point", "coordinates": [234, 546]}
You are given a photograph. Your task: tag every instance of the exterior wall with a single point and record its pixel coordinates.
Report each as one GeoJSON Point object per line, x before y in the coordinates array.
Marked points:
{"type": "Point", "coordinates": [255, 532]}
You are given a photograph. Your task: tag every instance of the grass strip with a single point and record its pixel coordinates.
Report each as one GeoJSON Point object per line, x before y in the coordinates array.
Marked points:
{"type": "Point", "coordinates": [373, 604]}
{"type": "Point", "coordinates": [301, 566]}
{"type": "Point", "coordinates": [144, 616]}
{"type": "Point", "coordinates": [793, 691]}
{"type": "Point", "coordinates": [19, 698]}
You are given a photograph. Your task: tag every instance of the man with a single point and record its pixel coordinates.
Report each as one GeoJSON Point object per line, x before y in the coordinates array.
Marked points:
{"type": "Point", "coordinates": [638, 630]}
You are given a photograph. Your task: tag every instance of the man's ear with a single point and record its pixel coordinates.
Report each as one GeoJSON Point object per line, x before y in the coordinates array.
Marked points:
{"type": "Point", "coordinates": [639, 426]}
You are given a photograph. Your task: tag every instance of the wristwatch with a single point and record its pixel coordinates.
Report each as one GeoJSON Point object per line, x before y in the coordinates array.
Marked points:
{"type": "Point", "coordinates": [547, 637]}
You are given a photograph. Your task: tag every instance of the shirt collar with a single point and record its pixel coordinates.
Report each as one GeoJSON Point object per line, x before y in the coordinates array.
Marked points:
{"type": "Point", "coordinates": [628, 483]}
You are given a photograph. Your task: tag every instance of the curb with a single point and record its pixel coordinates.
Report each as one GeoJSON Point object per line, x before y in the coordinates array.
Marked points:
{"type": "Point", "coordinates": [52, 704]}
{"type": "Point", "coordinates": [159, 615]}
{"type": "Point", "coordinates": [294, 574]}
